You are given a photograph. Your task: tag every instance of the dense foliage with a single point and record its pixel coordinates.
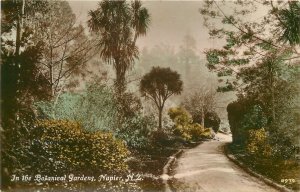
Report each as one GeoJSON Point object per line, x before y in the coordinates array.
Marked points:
{"type": "Point", "coordinates": [268, 101]}
{"type": "Point", "coordinates": [258, 143]}
{"type": "Point", "coordinates": [64, 147]}
{"type": "Point", "coordinates": [184, 126]}
{"type": "Point", "coordinates": [136, 131]}
{"type": "Point", "coordinates": [211, 120]}
{"type": "Point", "coordinates": [260, 61]}
{"type": "Point", "coordinates": [244, 115]}
{"type": "Point", "coordinates": [95, 108]}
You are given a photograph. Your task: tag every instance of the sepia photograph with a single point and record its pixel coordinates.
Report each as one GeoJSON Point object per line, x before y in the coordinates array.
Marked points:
{"type": "Point", "coordinates": [150, 96]}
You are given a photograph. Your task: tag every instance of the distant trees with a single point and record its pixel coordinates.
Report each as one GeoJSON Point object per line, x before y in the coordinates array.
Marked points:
{"type": "Point", "coordinates": [118, 24]}
{"type": "Point", "coordinates": [158, 85]}
{"type": "Point", "coordinates": [185, 60]}
{"type": "Point", "coordinates": [200, 103]}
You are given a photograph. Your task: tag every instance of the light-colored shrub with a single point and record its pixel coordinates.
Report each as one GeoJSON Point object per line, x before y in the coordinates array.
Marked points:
{"type": "Point", "coordinates": [185, 128]}
{"type": "Point", "coordinates": [95, 108]}
{"type": "Point", "coordinates": [258, 143]}
{"type": "Point", "coordinates": [64, 147]}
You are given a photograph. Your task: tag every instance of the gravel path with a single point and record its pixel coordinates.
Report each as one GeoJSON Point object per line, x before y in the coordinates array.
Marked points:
{"type": "Point", "coordinates": [206, 169]}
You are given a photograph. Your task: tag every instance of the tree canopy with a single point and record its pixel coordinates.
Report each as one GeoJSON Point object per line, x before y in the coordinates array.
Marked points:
{"type": "Point", "coordinates": [158, 85]}
{"type": "Point", "coordinates": [118, 24]}
{"type": "Point", "coordinates": [248, 41]}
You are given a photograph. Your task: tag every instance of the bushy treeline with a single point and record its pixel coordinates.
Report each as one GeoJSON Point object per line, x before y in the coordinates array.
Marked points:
{"type": "Point", "coordinates": [50, 140]}
{"type": "Point", "coordinates": [260, 60]}
{"type": "Point", "coordinates": [97, 108]}
{"type": "Point", "coordinates": [268, 145]}
{"type": "Point", "coordinates": [84, 132]}
{"type": "Point", "coordinates": [265, 119]}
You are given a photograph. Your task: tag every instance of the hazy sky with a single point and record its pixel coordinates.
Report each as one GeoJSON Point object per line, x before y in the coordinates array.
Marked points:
{"type": "Point", "coordinates": [170, 22]}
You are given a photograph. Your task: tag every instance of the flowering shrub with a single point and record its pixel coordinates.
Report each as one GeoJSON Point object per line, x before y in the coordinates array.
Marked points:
{"type": "Point", "coordinates": [64, 147]}
{"type": "Point", "coordinates": [258, 144]}
{"type": "Point", "coordinates": [185, 128]}
{"type": "Point", "coordinates": [196, 131]}
{"type": "Point", "coordinates": [182, 120]}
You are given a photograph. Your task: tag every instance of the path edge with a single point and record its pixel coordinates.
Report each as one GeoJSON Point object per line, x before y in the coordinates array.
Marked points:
{"type": "Point", "coordinates": [269, 182]}
{"type": "Point", "coordinates": [165, 177]}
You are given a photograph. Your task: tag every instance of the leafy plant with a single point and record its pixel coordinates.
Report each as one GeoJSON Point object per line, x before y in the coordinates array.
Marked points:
{"type": "Point", "coordinates": [64, 147]}
{"type": "Point", "coordinates": [184, 126]}
{"type": "Point", "coordinates": [95, 108]}
{"type": "Point", "coordinates": [135, 131]}
{"type": "Point", "coordinates": [254, 118]}
{"type": "Point", "coordinates": [258, 143]}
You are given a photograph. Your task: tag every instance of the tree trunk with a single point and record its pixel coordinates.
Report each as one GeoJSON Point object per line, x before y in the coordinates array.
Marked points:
{"type": "Point", "coordinates": [51, 65]}
{"type": "Point", "coordinates": [19, 29]}
{"type": "Point", "coordinates": [160, 119]}
{"type": "Point", "coordinates": [202, 117]}
{"type": "Point", "coordinates": [18, 44]}
{"type": "Point", "coordinates": [273, 105]}
{"type": "Point", "coordinates": [18, 38]}
{"type": "Point", "coordinates": [120, 77]}
{"type": "Point", "coordinates": [271, 71]}
{"type": "Point", "coordinates": [52, 80]}
{"type": "Point", "coordinates": [120, 85]}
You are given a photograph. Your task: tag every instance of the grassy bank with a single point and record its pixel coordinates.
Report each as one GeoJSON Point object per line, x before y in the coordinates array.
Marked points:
{"type": "Point", "coordinates": [283, 172]}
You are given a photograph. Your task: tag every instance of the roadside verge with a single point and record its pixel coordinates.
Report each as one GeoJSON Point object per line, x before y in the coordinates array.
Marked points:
{"type": "Point", "coordinates": [251, 172]}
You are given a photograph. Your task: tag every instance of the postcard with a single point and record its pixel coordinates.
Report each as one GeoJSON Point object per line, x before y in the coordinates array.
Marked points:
{"type": "Point", "coordinates": [108, 95]}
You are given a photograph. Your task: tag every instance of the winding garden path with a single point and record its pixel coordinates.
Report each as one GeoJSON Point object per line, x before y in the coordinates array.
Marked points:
{"type": "Point", "coordinates": [206, 169]}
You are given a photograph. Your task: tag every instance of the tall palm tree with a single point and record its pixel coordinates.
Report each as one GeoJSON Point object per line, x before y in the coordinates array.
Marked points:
{"type": "Point", "coordinates": [118, 24]}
